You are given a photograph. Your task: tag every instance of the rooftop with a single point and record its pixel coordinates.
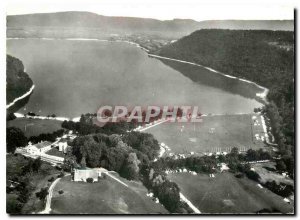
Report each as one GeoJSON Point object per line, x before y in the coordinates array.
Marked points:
{"type": "Point", "coordinates": [42, 144]}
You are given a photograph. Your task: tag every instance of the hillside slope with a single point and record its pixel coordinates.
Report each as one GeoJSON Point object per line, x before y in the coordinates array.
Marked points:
{"type": "Point", "coordinates": [246, 54]}
{"type": "Point", "coordinates": [17, 81]}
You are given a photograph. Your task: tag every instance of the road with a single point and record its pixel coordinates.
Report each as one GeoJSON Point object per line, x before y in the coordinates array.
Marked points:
{"type": "Point", "coordinates": [47, 209]}
{"type": "Point", "coordinates": [150, 126]}
{"type": "Point", "coordinates": [190, 204]}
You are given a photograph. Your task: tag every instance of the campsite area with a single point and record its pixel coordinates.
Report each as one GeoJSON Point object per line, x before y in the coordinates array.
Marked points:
{"type": "Point", "coordinates": [216, 133]}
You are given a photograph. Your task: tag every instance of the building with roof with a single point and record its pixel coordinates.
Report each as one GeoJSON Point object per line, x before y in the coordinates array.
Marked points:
{"type": "Point", "coordinates": [63, 145]}
{"type": "Point", "coordinates": [38, 148]}
{"type": "Point", "coordinates": [82, 174]}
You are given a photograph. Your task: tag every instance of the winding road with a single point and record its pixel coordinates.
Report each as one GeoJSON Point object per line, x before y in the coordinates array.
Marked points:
{"type": "Point", "coordinates": [47, 209]}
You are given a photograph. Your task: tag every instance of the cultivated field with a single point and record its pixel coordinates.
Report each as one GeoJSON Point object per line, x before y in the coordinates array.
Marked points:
{"type": "Point", "coordinates": [34, 127]}
{"type": "Point", "coordinates": [227, 194]}
{"type": "Point", "coordinates": [104, 197]}
{"type": "Point", "coordinates": [213, 134]}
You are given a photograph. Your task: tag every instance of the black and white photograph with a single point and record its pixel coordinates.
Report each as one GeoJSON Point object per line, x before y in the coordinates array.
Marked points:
{"type": "Point", "coordinates": [149, 107]}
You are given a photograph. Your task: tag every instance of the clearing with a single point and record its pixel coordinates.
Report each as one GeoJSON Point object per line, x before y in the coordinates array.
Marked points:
{"type": "Point", "coordinates": [216, 133]}
{"type": "Point", "coordinates": [227, 194]}
{"type": "Point", "coordinates": [34, 127]}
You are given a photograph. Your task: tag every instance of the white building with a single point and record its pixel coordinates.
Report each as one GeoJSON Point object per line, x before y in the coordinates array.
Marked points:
{"type": "Point", "coordinates": [63, 145]}
{"type": "Point", "coordinates": [84, 173]}
{"type": "Point", "coordinates": [38, 148]}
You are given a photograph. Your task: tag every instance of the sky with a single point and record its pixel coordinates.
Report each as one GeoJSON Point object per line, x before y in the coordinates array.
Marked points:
{"type": "Point", "coordinates": [164, 9]}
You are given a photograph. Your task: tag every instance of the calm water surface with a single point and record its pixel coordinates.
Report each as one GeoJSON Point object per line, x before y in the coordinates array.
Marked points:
{"type": "Point", "coordinates": [75, 77]}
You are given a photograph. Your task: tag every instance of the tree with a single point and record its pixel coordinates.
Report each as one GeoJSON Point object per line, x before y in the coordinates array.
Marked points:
{"type": "Point", "coordinates": [252, 155]}
{"type": "Point", "coordinates": [252, 175]}
{"type": "Point", "coordinates": [14, 138]}
{"type": "Point", "coordinates": [234, 152]}
{"type": "Point", "coordinates": [37, 163]}
{"type": "Point", "coordinates": [280, 165]}
{"type": "Point", "coordinates": [51, 179]}
{"type": "Point", "coordinates": [221, 158]}
{"type": "Point", "coordinates": [13, 206]}
{"type": "Point", "coordinates": [10, 116]}
{"type": "Point", "coordinates": [89, 180]}
{"type": "Point", "coordinates": [42, 194]}
{"type": "Point", "coordinates": [264, 155]}
{"type": "Point", "coordinates": [233, 166]}
{"type": "Point", "coordinates": [168, 195]}
{"type": "Point", "coordinates": [130, 169]}
{"type": "Point", "coordinates": [83, 162]}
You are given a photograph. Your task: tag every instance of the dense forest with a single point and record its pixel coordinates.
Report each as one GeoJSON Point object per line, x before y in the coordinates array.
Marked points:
{"type": "Point", "coordinates": [265, 57]}
{"type": "Point", "coordinates": [17, 81]}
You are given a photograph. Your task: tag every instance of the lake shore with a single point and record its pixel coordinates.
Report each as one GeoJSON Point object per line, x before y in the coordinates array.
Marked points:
{"type": "Point", "coordinates": [21, 97]}
{"type": "Point", "coordinates": [261, 95]}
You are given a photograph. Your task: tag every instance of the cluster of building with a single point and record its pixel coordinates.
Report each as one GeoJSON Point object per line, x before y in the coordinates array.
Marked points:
{"type": "Point", "coordinates": [44, 146]}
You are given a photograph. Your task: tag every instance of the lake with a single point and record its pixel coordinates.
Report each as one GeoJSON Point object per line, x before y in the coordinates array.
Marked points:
{"type": "Point", "coordinates": [75, 77]}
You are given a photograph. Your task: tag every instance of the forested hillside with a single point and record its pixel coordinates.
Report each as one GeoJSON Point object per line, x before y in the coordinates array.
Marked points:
{"type": "Point", "coordinates": [17, 81]}
{"type": "Point", "coordinates": [265, 57]}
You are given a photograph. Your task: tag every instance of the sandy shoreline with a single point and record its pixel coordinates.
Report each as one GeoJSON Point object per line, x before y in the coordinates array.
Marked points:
{"type": "Point", "coordinates": [21, 97]}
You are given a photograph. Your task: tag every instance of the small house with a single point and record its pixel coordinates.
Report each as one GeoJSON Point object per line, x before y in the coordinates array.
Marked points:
{"type": "Point", "coordinates": [38, 148]}
{"type": "Point", "coordinates": [82, 174]}
{"type": "Point", "coordinates": [63, 145]}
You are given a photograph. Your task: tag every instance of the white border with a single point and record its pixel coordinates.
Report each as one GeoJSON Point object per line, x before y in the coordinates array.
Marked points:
{"type": "Point", "coordinates": [125, 6]}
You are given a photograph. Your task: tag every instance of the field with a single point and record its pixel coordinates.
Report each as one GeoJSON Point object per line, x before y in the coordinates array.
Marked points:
{"type": "Point", "coordinates": [227, 194]}
{"type": "Point", "coordinates": [213, 134]}
{"type": "Point", "coordinates": [104, 197]}
{"type": "Point", "coordinates": [34, 127]}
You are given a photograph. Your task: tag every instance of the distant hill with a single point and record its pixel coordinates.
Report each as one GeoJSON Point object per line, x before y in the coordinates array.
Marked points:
{"type": "Point", "coordinates": [64, 21]}
{"type": "Point", "coordinates": [17, 81]}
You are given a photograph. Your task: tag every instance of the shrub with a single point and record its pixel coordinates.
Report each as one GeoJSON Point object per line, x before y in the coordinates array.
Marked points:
{"type": "Point", "coordinates": [61, 175]}
{"type": "Point", "coordinates": [239, 175]}
{"type": "Point", "coordinates": [252, 175]}
{"type": "Point", "coordinates": [51, 179]}
{"type": "Point", "coordinates": [89, 180]}
{"type": "Point", "coordinates": [42, 194]}
{"type": "Point", "coordinates": [60, 191]}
